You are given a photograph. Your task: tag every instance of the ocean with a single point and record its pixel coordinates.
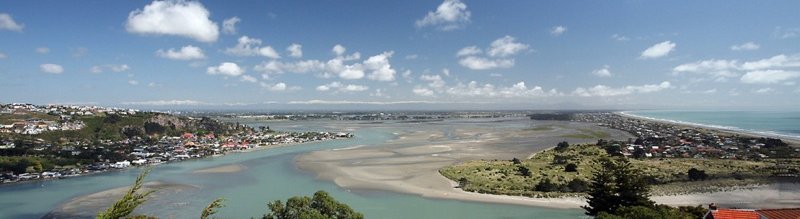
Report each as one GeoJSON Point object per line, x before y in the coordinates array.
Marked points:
{"type": "Point", "coordinates": [782, 124]}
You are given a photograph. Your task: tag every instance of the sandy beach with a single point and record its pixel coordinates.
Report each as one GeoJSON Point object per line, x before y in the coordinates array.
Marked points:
{"type": "Point", "coordinates": [410, 163]}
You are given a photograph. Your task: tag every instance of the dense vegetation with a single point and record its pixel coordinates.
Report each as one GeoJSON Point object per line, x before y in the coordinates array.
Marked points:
{"type": "Point", "coordinates": [321, 206]}
{"type": "Point", "coordinates": [565, 170]}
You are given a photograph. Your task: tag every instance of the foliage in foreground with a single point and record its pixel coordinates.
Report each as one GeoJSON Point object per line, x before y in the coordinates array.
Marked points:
{"type": "Point", "coordinates": [321, 206]}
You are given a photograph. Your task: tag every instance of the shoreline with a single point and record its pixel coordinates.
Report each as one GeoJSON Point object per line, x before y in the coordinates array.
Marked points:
{"type": "Point", "coordinates": [793, 140]}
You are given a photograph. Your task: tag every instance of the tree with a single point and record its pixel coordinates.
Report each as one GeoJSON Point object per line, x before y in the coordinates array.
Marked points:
{"type": "Point", "coordinates": [613, 150]}
{"type": "Point", "coordinates": [211, 209]}
{"type": "Point", "coordinates": [524, 171]}
{"type": "Point", "coordinates": [631, 186]}
{"type": "Point", "coordinates": [697, 175]}
{"type": "Point", "coordinates": [601, 196]}
{"type": "Point", "coordinates": [516, 161]}
{"type": "Point", "coordinates": [561, 146]}
{"type": "Point", "coordinates": [462, 182]}
{"type": "Point", "coordinates": [639, 152]}
{"type": "Point", "coordinates": [571, 167]}
{"type": "Point", "coordinates": [321, 205]}
{"type": "Point", "coordinates": [577, 185]}
{"type": "Point", "coordinates": [132, 199]}
{"type": "Point", "coordinates": [545, 185]}
{"type": "Point", "coordinates": [37, 166]}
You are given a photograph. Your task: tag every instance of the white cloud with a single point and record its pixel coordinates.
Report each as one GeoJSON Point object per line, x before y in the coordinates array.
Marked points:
{"type": "Point", "coordinates": [497, 54]}
{"type": "Point", "coordinates": [658, 50]}
{"type": "Point", "coordinates": [603, 72]}
{"type": "Point", "coordinates": [505, 46]}
{"type": "Point", "coordinates": [339, 87]}
{"type": "Point", "coordinates": [352, 72]}
{"type": "Point", "coordinates": [339, 50]}
{"type": "Point", "coordinates": [412, 56]}
{"type": "Point", "coordinates": [229, 25]}
{"type": "Point", "coordinates": [764, 90]}
{"type": "Point", "coordinates": [778, 61]}
{"type": "Point", "coordinates": [295, 50]}
{"type": "Point", "coordinates": [247, 46]}
{"type": "Point", "coordinates": [434, 81]}
{"type": "Point", "coordinates": [133, 82]}
{"type": "Point", "coordinates": [178, 18]}
{"type": "Point", "coordinates": [469, 50]}
{"type": "Point", "coordinates": [768, 76]}
{"type": "Point", "coordinates": [450, 15]}
{"type": "Point", "coordinates": [710, 91]}
{"type": "Point", "coordinates": [185, 53]}
{"type": "Point", "coordinates": [381, 69]}
{"type": "Point", "coordinates": [618, 37]}
{"type": "Point", "coordinates": [51, 68]}
{"type": "Point", "coordinates": [786, 33]}
{"type": "Point", "coordinates": [277, 67]}
{"type": "Point", "coordinates": [745, 46]}
{"type": "Point", "coordinates": [153, 84]}
{"type": "Point", "coordinates": [421, 91]}
{"type": "Point", "coordinates": [3, 55]}
{"type": "Point", "coordinates": [248, 78]}
{"type": "Point", "coordinates": [42, 50]}
{"type": "Point", "coordinates": [348, 102]}
{"type": "Point", "coordinates": [480, 63]}
{"type": "Point", "coordinates": [605, 91]}
{"type": "Point", "coordinates": [719, 70]}
{"type": "Point", "coordinates": [110, 67]}
{"type": "Point", "coordinates": [165, 103]}
{"type": "Point", "coordinates": [8, 23]}
{"type": "Point", "coordinates": [276, 87]}
{"type": "Point", "coordinates": [226, 68]}
{"type": "Point", "coordinates": [473, 89]}
{"type": "Point", "coordinates": [558, 30]}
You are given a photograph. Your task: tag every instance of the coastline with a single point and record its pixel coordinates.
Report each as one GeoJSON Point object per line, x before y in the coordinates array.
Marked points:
{"type": "Point", "coordinates": [793, 140]}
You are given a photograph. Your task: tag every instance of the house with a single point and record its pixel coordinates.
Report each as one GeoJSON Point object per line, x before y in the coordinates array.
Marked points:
{"type": "Point", "coordinates": [722, 213]}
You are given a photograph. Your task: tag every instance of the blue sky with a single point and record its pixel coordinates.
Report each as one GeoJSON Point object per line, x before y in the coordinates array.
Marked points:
{"type": "Point", "coordinates": [402, 54]}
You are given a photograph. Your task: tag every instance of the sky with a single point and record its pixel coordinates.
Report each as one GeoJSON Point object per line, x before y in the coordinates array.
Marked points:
{"type": "Point", "coordinates": [355, 55]}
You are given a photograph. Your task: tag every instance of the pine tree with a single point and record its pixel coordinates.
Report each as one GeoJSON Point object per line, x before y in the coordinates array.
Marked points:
{"type": "Point", "coordinates": [631, 187]}
{"type": "Point", "coordinates": [601, 196]}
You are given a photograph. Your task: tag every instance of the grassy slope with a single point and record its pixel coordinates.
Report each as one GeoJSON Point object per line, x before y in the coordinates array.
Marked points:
{"type": "Point", "coordinates": [503, 177]}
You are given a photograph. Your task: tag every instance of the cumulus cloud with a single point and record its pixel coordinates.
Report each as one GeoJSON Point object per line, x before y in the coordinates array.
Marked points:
{"type": "Point", "coordinates": [381, 69]}
{"type": "Point", "coordinates": [279, 87]}
{"type": "Point", "coordinates": [247, 46]}
{"type": "Point", "coordinates": [450, 15]}
{"type": "Point", "coordinates": [618, 37]}
{"type": "Point", "coordinates": [718, 69]}
{"type": "Point", "coordinates": [412, 56]}
{"type": "Point", "coordinates": [786, 33]}
{"type": "Point", "coordinates": [229, 25]}
{"type": "Point", "coordinates": [421, 91]}
{"type": "Point", "coordinates": [185, 53]}
{"type": "Point", "coordinates": [42, 50]}
{"type": "Point", "coordinates": [473, 89]}
{"type": "Point", "coordinates": [227, 69]}
{"type": "Point", "coordinates": [109, 67]}
{"type": "Point", "coordinates": [133, 82]}
{"type": "Point", "coordinates": [606, 91]}
{"type": "Point", "coordinates": [3, 55]}
{"type": "Point", "coordinates": [778, 61]}
{"type": "Point", "coordinates": [768, 76]}
{"type": "Point", "coordinates": [658, 50]}
{"type": "Point", "coordinates": [558, 30]}
{"type": "Point", "coordinates": [376, 67]}
{"type": "Point", "coordinates": [178, 18]}
{"type": "Point", "coordinates": [295, 50]}
{"type": "Point", "coordinates": [51, 68]}
{"type": "Point", "coordinates": [8, 23]}
{"type": "Point", "coordinates": [339, 50]}
{"type": "Point", "coordinates": [434, 81]}
{"type": "Point", "coordinates": [745, 46]}
{"type": "Point", "coordinates": [248, 78]}
{"type": "Point", "coordinates": [603, 72]}
{"type": "Point", "coordinates": [497, 55]}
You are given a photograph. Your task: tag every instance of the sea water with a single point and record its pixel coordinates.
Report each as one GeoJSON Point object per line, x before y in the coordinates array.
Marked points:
{"type": "Point", "coordinates": [784, 124]}
{"type": "Point", "coordinates": [268, 175]}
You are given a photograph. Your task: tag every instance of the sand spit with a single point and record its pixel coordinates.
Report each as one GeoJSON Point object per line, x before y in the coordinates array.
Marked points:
{"type": "Point", "coordinates": [89, 205]}
{"type": "Point", "coordinates": [233, 168]}
{"type": "Point", "coordinates": [410, 163]}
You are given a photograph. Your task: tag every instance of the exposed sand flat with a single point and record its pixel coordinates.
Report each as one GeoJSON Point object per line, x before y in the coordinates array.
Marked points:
{"type": "Point", "coordinates": [222, 169]}
{"type": "Point", "coordinates": [89, 205]}
{"type": "Point", "coordinates": [782, 195]}
{"type": "Point", "coordinates": [410, 163]}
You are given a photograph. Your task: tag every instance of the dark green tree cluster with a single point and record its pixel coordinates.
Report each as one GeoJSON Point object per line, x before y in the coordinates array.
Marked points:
{"type": "Point", "coordinates": [574, 185]}
{"type": "Point", "coordinates": [697, 175]}
{"type": "Point", "coordinates": [562, 146]}
{"type": "Point", "coordinates": [321, 206]}
{"type": "Point", "coordinates": [615, 184]}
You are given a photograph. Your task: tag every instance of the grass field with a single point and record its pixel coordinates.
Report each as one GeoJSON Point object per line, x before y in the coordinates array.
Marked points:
{"type": "Point", "coordinates": [669, 176]}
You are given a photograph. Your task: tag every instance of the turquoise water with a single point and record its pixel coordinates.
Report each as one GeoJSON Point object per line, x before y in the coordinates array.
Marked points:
{"type": "Point", "coordinates": [269, 175]}
{"type": "Point", "coordinates": [775, 123]}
